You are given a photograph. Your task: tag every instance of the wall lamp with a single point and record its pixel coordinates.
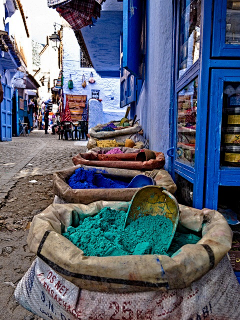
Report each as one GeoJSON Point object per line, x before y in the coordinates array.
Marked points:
{"type": "Point", "coordinates": [55, 37]}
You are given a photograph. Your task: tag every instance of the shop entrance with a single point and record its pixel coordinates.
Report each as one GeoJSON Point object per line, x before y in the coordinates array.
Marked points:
{"type": "Point", "coordinates": [6, 114]}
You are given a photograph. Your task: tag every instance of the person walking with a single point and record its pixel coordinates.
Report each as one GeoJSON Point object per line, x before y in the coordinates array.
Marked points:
{"type": "Point", "coordinates": [57, 122]}
{"type": "Point", "coordinates": [46, 115]}
{"type": "Point", "coordinates": [40, 121]}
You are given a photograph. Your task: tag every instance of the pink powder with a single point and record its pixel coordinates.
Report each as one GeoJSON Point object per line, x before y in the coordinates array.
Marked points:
{"type": "Point", "coordinates": [114, 151]}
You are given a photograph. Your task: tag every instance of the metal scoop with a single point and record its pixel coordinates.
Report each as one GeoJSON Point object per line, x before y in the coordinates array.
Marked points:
{"type": "Point", "coordinates": [153, 200]}
{"type": "Point", "coordinates": [140, 181]}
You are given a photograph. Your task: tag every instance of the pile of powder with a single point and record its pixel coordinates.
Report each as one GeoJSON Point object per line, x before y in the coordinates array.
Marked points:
{"type": "Point", "coordinates": [114, 151]}
{"type": "Point", "coordinates": [109, 127]}
{"type": "Point", "coordinates": [95, 234]}
{"type": "Point", "coordinates": [89, 179]}
{"type": "Point", "coordinates": [147, 235]}
{"type": "Point", "coordinates": [104, 235]}
{"type": "Point", "coordinates": [180, 239]}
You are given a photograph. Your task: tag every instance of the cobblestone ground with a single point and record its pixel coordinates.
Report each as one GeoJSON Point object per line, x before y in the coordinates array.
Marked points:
{"type": "Point", "coordinates": [26, 167]}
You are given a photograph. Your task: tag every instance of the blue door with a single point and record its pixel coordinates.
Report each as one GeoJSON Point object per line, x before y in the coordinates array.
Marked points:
{"type": "Point", "coordinates": [6, 114]}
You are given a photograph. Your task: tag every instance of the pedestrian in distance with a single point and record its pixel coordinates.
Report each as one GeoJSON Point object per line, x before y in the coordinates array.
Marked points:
{"type": "Point", "coordinates": [46, 120]}
{"type": "Point", "coordinates": [57, 123]}
{"type": "Point", "coordinates": [40, 121]}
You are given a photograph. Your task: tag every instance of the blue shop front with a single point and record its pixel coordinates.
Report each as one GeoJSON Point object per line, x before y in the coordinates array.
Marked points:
{"type": "Point", "coordinates": [9, 62]}
{"type": "Point", "coordinates": [203, 68]}
{"type": "Point", "coordinates": [205, 145]}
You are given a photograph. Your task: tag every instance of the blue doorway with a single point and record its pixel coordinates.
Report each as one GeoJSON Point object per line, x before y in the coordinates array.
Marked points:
{"type": "Point", "coordinates": [6, 115]}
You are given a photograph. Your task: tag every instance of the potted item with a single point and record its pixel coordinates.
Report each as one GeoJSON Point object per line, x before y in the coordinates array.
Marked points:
{"type": "Point", "coordinates": [70, 83]}
{"type": "Point", "coordinates": [91, 79]}
{"type": "Point", "coordinates": [84, 83]}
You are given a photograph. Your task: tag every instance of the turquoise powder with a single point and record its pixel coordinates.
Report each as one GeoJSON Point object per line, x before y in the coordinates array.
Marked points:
{"type": "Point", "coordinates": [104, 235]}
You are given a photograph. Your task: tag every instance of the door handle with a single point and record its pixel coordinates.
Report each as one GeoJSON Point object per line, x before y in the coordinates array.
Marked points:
{"type": "Point", "coordinates": [170, 152]}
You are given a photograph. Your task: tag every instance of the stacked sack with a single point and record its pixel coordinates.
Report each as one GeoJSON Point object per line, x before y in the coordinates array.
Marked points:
{"type": "Point", "coordinates": [117, 134]}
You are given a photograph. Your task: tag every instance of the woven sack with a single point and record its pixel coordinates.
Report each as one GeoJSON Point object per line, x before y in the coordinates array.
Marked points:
{"type": "Point", "coordinates": [47, 294]}
{"type": "Point", "coordinates": [92, 158]}
{"type": "Point", "coordinates": [127, 132]}
{"type": "Point", "coordinates": [124, 274]}
{"type": "Point", "coordinates": [65, 192]}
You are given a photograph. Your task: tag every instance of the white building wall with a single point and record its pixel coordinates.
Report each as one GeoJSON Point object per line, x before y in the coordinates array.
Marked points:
{"type": "Point", "coordinates": [49, 69]}
{"type": "Point", "coordinates": [109, 87]}
{"type": "Point", "coordinates": [2, 14]}
{"type": "Point", "coordinates": [24, 43]}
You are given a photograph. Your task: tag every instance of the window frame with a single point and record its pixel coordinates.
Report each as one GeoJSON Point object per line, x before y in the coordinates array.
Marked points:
{"type": "Point", "coordinates": [219, 47]}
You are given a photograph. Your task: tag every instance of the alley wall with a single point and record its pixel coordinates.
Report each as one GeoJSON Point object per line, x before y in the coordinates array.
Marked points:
{"type": "Point", "coordinates": [154, 101]}
{"type": "Point", "coordinates": [109, 87]}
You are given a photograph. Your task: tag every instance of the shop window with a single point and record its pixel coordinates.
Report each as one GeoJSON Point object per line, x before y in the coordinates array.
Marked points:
{"type": "Point", "coordinates": [230, 140]}
{"type": "Point", "coordinates": [189, 34]}
{"type": "Point", "coordinates": [232, 22]}
{"type": "Point", "coordinates": [186, 128]}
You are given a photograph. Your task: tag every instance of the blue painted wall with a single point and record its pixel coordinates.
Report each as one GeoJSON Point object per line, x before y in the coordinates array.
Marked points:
{"type": "Point", "coordinates": [154, 100]}
{"type": "Point", "coordinates": [103, 43]}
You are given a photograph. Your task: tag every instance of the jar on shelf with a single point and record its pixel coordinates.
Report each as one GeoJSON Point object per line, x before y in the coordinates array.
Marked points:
{"type": "Point", "coordinates": [232, 155]}
{"type": "Point", "coordinates": [232, 135]}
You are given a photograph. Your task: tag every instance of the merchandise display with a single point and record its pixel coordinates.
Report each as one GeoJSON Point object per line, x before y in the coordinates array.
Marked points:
{"type": "Point", "coordinates": [230, 155]}
{"type": "Point", "coordinates": [89, 179]}
{"type": "Point", "coordinates": [104, 235]}
{"type": "Point", "coordinates": [187, 113]}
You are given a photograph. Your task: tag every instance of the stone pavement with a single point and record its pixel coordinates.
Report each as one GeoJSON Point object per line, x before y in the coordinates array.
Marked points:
{"type": "Point", "coordinates": [38, 153]}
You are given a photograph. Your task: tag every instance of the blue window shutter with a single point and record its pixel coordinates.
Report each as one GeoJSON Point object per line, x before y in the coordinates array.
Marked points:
{"type": "Point", "coordinates": [132, 26]}
{"type": "Point", "coordinates": [128, 88]}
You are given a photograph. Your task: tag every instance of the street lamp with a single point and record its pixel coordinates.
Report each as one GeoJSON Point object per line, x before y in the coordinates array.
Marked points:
{"type": "Point", "coordinates": [55, 38]}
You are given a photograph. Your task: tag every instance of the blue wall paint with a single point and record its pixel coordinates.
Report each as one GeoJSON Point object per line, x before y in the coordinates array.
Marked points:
{"type": "Point", "coordinates": [103, 42]}
{"type": "Point", "coordinates": [154, 100]}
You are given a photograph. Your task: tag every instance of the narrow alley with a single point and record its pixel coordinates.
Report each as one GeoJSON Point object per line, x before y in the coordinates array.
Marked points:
{"type": "Point", "coordinates": [27, 164]}
{"type": "Point", "coordinates": [120, 159]}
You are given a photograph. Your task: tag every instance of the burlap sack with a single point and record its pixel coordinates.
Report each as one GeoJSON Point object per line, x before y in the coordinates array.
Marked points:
{"type": "Point", "coordinates": [128, 273]}
{"type": "Point", "coordinates": [119, 136]}
{"type": "Point", "coordinates": [91, 159]}
{"type": "Point", "coordinates": [216, 296]}
{"type": "Point", "coordinates": [65, 192]}
{"type": "Point", "coordinates": [120, 140]}
{"type": "Point", "coordinates": [95, 133]}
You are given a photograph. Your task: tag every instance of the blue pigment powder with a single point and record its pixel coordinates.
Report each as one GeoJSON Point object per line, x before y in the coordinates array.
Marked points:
{"type": "Point", "coordinates": [89, 179]}
{"type": "Point", "coordinates": [104, 235]}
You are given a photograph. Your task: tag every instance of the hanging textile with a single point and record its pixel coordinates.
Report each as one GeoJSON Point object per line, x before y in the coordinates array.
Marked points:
{"type": "Point", "coordinates": [56, 3]}
{"type": "Point", "coordinates": [78, 13]}
{"type": "Point", "coordinates": [67, 113]}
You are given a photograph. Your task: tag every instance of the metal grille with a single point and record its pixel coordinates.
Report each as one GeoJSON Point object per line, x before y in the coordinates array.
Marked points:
{"type": "Point", "coordinates": [95, 94]}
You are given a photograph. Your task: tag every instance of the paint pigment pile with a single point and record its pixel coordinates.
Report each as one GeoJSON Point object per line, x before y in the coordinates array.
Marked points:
{"type": "Point", "coordinates": [104, 235]}
{"type": "Point", "coordinates": [89, 179]}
